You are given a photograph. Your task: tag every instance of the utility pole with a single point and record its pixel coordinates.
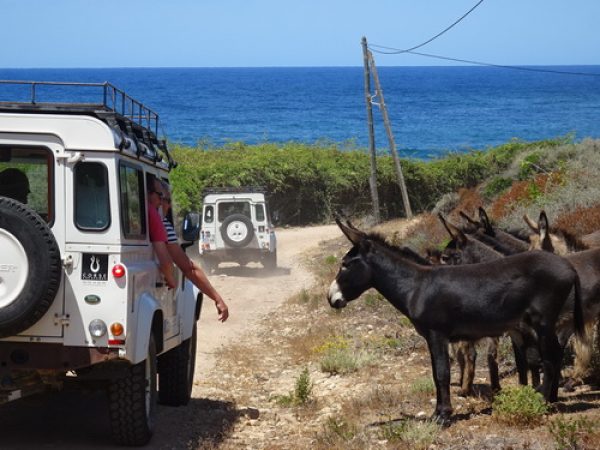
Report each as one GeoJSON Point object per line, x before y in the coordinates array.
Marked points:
{"type": "Point", "coordinates": [373, 177]}
{"type": "Point", "coordinates": [390, 135]}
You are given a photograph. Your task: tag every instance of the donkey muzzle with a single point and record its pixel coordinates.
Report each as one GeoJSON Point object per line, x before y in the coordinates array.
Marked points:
{"type": "Point", "coordinates": [335, 296]}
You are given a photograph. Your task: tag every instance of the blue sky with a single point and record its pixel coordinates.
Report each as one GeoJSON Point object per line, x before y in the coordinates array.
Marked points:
{"type": "Point", "coordinates": [256, 33]}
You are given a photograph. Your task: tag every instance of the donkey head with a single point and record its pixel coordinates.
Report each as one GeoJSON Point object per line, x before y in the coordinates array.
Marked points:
{"type": "Point", "coordinates": [453, 253]}
{"type": "Point", "coordinates": [463, 249]}
{"type": "Point", "coordinates": [543, 239]}
{"type": "Point", "coordinates": [354, 276]}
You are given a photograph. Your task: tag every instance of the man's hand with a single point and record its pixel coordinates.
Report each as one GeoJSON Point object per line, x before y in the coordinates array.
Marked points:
{"type": "Point", "coordinates": [222, 309]}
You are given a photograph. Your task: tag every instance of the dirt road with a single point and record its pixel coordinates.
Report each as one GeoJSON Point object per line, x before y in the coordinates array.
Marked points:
{"type": "Point", "coordinates": [251, 292]}
{"type": "Point", "coordinates": [78, 420]}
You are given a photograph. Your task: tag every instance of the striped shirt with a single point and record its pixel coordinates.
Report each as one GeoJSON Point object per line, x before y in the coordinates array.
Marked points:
{"type": "Point", "coordinates": [171, 235]}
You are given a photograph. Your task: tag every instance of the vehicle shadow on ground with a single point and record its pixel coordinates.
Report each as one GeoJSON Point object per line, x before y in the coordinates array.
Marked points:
{"type": "Point", "coordinates": [251, 272]}
{"type": "Point", "coordinates": [79, 420]}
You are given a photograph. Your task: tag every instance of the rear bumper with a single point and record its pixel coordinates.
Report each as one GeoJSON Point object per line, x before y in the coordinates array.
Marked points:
{"type": "Point", "coordinates": [31, 355]}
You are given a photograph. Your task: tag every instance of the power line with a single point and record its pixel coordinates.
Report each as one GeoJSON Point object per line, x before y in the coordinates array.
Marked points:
{"type": "Point", "coordinates": [479, 63]}
{"type": "Point", "coordinates": [408, 50]}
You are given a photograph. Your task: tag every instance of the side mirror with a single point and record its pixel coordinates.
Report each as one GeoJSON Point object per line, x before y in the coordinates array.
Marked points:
{"type": "Point", "coordinates": [275, 217]}
{"type": "Point", "coordinates": [190, 228]}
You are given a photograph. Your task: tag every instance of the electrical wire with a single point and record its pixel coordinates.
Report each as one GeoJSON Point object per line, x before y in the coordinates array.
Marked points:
{"type": "Point", "coordinates": [479, 63]}
{"type": "Point", "coordinates": [408, 50]}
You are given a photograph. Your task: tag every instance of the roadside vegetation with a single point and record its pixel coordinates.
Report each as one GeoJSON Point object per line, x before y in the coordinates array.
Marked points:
{"type": "Point", "coordinates": [307, 183]}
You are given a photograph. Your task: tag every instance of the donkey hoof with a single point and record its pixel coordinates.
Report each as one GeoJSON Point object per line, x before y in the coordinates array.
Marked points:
{"type": "Point", "coordinates": [465, 392]}
{"type": "Point", "coordinates": [571, 384]}
{"type": "Point", "coordinates": [442, 418]}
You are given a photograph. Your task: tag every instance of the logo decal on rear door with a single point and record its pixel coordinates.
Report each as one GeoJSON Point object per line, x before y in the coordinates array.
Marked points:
{"type": "Point", "coordinates": [94, 267]}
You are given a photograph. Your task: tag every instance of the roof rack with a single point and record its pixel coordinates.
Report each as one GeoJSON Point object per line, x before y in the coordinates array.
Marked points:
{"type": "Point", "coordinates": [102, 100]}
{"type": "Point", "coordinates": [234, 189]}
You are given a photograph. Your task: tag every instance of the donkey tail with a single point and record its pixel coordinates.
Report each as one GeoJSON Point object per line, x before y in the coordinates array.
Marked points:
{"type": "Point", "coordinates": [577, 309]}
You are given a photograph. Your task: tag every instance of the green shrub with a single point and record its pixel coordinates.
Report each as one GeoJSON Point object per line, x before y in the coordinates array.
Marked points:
{"type": "Point", "coordinates": [521, 405]}
{"type": "Point", "coordinates": [496, 186]}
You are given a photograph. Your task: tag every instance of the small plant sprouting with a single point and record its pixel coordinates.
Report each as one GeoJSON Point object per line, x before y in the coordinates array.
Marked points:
{"type": "Point", "coordinates": [301, 394]}
{"type": "Point", "coordinates": [303, 387]}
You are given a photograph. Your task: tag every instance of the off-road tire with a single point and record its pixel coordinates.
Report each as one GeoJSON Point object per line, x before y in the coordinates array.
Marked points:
{"type": "Point", "coordinates": [176, 373]}
{"type": "Point", "coordinates": [19, 224]}
{"type": "Point", "coordinates": [240, 222]}
{"type": "Point", "coordinates": [132, 402]}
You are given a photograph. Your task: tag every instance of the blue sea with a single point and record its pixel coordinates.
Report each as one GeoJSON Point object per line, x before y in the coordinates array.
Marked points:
{"type": "Point", "coordinates": [433, 110]}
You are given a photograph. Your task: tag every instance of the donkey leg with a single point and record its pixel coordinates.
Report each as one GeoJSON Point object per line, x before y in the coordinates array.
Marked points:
{"type": "Point", "coordinates": [459, 355]}
{"type": "Point", "coordinates": [552, 354]}
{"type": "Point", "coordinates": [440, 364]}
{"type": "Point", "coordinates": [520, 358]}
{"type": "Point", "coordinates": [583, 357]}
{"type": "Point", "coordinates": [471, 356]}
{"type": "Point", "coordinates": [492, 360]}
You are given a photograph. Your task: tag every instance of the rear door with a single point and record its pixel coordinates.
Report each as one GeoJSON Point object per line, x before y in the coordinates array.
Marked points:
{"type": "Point", "coordinates": [35, 157]}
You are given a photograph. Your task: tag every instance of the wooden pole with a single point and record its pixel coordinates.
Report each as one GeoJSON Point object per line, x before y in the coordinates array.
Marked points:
{"type": "Point", "coordinates": [373, 177]}
{"type": "Point", "coordinates": [390, 135]}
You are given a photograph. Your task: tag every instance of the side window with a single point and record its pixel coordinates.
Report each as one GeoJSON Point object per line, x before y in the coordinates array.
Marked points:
{"type": "Point", "coordinates": [92, 209]}
{"type": "Point", "coordinates": [209, 214]}
{"type": "Point", "coordinates": [26, 175]}
{"type": "Point", "coordinates": [259, 212]}
{"type": "Point", "coordinates": [133, 210]}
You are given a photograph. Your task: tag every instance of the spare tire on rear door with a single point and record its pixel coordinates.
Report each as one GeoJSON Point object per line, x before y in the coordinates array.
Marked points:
{"type": "Point", "coordinates": [237, 230]}
{"type": "Point", "coordinates": [30, 267]}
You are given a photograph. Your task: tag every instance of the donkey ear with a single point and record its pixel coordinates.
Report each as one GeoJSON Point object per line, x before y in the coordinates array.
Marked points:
{"type": "Point", "coordinates": [446, 225]}
{"type": "Point", "coordinates": [484, 219]}
{"type": "Point", "coordinates": [350, 225]}
{"type": "Point", "coordinates": [353, 235]}
{"type": "Point", "coordinates": [544, 227]}
{"type": "Point", "coordinates": [534, 226]}
{"type": "Point", "coordinates": [469, 220]}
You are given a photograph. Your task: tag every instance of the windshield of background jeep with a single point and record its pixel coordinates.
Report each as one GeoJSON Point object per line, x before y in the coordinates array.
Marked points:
{"type": "Point", "coordinates": [25, 174]}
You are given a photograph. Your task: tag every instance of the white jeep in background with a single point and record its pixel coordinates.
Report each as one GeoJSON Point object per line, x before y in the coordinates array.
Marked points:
{"type": "Point", "coordinates": [236, 227]}
{"type": "Point", "coordinates": [81, 296]}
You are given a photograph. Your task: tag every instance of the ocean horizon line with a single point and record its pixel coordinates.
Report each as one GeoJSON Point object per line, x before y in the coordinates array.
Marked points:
{"type": "Point", "coordinates": [487, 66]}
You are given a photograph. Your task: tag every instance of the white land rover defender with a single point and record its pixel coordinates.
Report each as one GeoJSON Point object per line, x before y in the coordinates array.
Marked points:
{"type": "Point", "coordinates": [236, 227]}
{"type": "Point", "coordinates": [81, 297]}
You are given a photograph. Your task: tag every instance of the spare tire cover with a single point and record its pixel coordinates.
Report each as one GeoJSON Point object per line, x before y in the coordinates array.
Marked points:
{"type": "Point", "coordinates": [30, 267]}
{"type": "Point", "coordinates": [237, 230]}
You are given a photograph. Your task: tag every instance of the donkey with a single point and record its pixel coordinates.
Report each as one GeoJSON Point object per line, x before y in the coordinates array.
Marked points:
{"type": "Point", "coordinates": [464, 249]}
{"type": "Point", "coordinates": [451, 303]}
{"type": "Point", "coordinates": [587, 265]}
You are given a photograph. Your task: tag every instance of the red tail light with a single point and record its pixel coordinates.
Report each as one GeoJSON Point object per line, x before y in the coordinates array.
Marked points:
{"type": "Point", "coordinates": [118, 270]}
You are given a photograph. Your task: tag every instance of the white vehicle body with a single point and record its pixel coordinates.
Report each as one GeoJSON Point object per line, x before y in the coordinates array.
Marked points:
{"type": "Point", "coordinates": [236, 227]}
{"type": "Point", "coordinates": [87, 170]}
